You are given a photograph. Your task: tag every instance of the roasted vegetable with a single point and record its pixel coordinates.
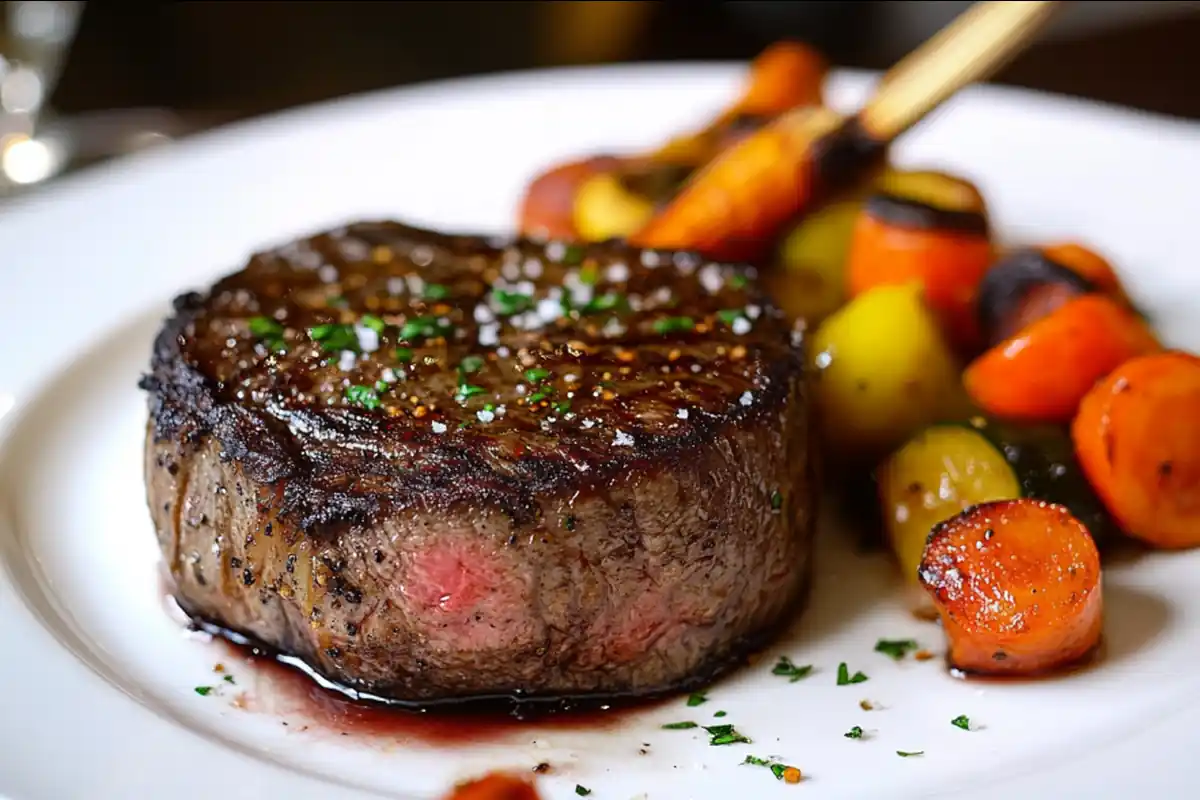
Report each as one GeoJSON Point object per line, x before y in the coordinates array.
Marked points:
{"type": "Point", "coordinates": [1137, 435]}
{"type": "Point", "coordinates": [1017, 586]}
{"type": "Point", "coordinates": [883, 372]}
{"type": "Point", "coordinates": [735, 206]}
{"type": "Point", "coordinates": [1042, 373]}
{"type": "Point", "coordinates": [938, 473]}
{"type": "Point", "coordinates": [1020, 289]}
{"type": "Point", "coordinates": [606, 209]}
{"type": "Point", "coordinates": [938, 190]}
{"type": "Point", "coordinates": [1088, 264]}
{"type": "Point", "coordinates": [812, 283]}
{"type": "Point", "coordinates": [952, 466]}
{"type": "Point", "coordinates": [548, 208]}
{"type": "Point", "coordinates": [495, 786]}
{"type": "Point", "coordinates": [899, 239]}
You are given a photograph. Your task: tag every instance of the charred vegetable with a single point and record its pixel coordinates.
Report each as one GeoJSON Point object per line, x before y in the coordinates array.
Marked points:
{"type": "Point", "coordinates": [1022, 288]}
{"type": "Point", "coordinates": [1137, 435]}
{"type": "Point", "coordinates": [952, 466]}
{"type": "Point", "coordinates": [1042, 373]}
{"type": "Point", "coordinates": [1017, 586]}
{"type": "Point", "coordinates": [1089, 265]}
{"type": "Point", "coordinates": [939, 238]}
{"type": "Point", "coordinates": [938, 473]}
{"type": "Point", "coordinates": [883, 372]}
{"type": "Point", "coordinates": [548, 208]}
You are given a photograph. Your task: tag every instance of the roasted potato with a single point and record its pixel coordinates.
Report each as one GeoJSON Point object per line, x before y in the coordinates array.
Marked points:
{"type": "Point", "coordinates": [1017, 586]}
{"type": "Point", "coordinates": [811, 284]}
{"type": "Point", "coordinates": [883, 372]}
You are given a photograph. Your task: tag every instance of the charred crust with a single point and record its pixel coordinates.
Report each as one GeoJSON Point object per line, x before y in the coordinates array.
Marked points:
{"type": "Point", "coordinates": [322, 492]}
{"type": "Point", "coordinates": [905, 212]}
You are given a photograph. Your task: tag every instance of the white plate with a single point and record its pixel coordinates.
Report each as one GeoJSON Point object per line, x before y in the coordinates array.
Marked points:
{"type": "Point", "coordinates": [96, 682]}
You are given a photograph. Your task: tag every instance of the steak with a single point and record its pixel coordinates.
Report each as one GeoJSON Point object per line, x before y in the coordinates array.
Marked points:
{"type": "Point", "coordinates": [444, 468]}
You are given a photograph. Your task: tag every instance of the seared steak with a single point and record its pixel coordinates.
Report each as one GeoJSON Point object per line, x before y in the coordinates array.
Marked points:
{"type": "Point", "coordinates": [442, 467]}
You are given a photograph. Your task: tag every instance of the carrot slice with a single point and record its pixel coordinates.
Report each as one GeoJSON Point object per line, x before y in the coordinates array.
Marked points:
{"type": "Point", "coordinates": [1042, 373]}
{"type": "Point", "coordinates": [1017, 586]}
{"type": "Point", "coordinates": [1088, 264]}
{"type": "Point", "coordinates": [897, 241]}
{"type": "Point", "coordinates": [495, 786]}
{"type": "Point", "coordinates": [1137, 437]}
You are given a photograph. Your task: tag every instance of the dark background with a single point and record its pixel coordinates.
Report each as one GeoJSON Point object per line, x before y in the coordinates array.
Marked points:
{"type": "Point", "coordinates": [238, 59]}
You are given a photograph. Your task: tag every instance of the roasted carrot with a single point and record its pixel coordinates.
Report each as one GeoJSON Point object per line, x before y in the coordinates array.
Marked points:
{"type": "Point", "coordinates": [495, 786]}
{"type": "Point", "coordinates": [734, 207]}
{"type": "Point", "coordinates": [548, 208]}
{"type": "Point", "coordinates": [1017, 586]}
{"type": "Point", "coordinates": [1042, 373]}
{"type": "Point", "coordinates": [784, 76]}
{"type": "Point", "coordinates": [945, 247]}
{"type": "Point", "coordinates": [1088, 264]}
{"type": "Point", "coordinates": [1137, 437]}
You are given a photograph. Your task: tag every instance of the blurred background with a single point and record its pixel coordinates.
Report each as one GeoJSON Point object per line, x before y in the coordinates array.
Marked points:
{"type": "Point", "coordinates": [84, 81]}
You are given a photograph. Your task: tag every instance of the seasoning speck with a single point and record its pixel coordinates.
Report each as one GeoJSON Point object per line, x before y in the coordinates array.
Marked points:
{"type": "Point", "coordinates": [623, 439]}
{"type": "Point", "coordinates": [682, 413]}
{"type": "Point", "coordinates": [438, 427]}
{"type": "Point", "coordinates": [746, 399]}
{"type": "Point", "coordinates": [485, 415]}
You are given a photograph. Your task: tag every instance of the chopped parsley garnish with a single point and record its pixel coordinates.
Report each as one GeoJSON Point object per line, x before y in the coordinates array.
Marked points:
{"type": "Point", "coordinates": [536, 374]}
{"type": "Point", "coordinates": [470, 365]}
{"type": "Point", "coordinates": [854, 733]}
{"type": "Point", "coordinates": [511, 302]}
{"type": "Point", "coordinates": [776, 500]}
{"type": "Point", "coordinates": [724, 734]}
{"type": "Point", "coordinates": [729, 315]}
{"type": "Point", "coordinates": [424, 328]}
{"type": "Point", "coordinates": [364, 396]}
{"type": "Point", "coordinates": [436, 291]}
{"type": "Point", "coordinates": [844, 678]}
{"type": "Point", "coordinates": [909, 753]}
{"type": "Point", "coordinates": [569, 524]}
{"type": "Point", "coordinates": [961, 721]}
{"type": "Point", "coordinates": [696, 699]}
{"type": "Point", "coordinates": [229, 679]}
{"type": "Point", "coordinates": [896, 648]}
{"type": "Point", "coordinates": [787, 669]}
{"type": "Point", "coordinates": [608, 301]}
{"type": "Point", "coordinates": [265, 327]}
{"type": "Point", "coordinates": [270, 331]}
{"type": "Point", "coordinates": [203, 691]}
{"type": "Point", "coordinates": [466, 390]}
{"type": "Point", "coordinates": [541, 395]}
{"type": "Point", "coordinates": [679, 726]}
{"type": "Point", "coordinates": [373, 322]}
{"type": "Point", "coordinates": [582, 791]}
{"type": "Point", "coordinates": [562, 406]}
{"type": "Point", "coordinates": [674, 324]}
{"type": "Point", "coordinates": [403, 354]}
{"type": "Point", "coordinates": [572, 255]}
{"type": "Point", "coordinates": [333, 337]}
{"type": "Point", "coordinates": [719, 714]}
{"type": "Point", "coordinates": [738, 280]}
{"type": "Point", "coordinates": [776, 768]}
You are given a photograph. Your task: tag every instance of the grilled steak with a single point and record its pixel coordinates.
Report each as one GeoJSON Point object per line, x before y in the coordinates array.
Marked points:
{"type": "Point", "coordinates": [442, 467]}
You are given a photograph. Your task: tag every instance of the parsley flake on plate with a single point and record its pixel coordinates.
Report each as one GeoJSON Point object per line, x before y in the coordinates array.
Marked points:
{"type": "Point", "coordinates": [910, 753]}
{"type": "Point", "coordinates": [854, 733]}
{"type": "Point", "coordinates": [724, 734]}
{"type": "Point", "coordinates": [961, 721]}
{"type": "Point", "coordinates": [844, 678]}
{"type": "Point", "coordinates": [896, 648]}
{"type": "Point", "coordinates": [785, 668]}
{"type": "Point", "coordinates": [680, 726]}
{"type": "Point", "coordinates": [696, 699]}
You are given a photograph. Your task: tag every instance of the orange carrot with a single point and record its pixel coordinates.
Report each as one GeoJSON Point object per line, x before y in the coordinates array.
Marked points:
{"type": "Point", "coordinates": [1042, 373]}
{"type": "Point", "coordinates": [734, 207]}
{"type": "Point", "coordinates": [785, 75]}
{"type": "Point", "coordinates": [495, 786]}
{"type": "Point", "coordinates": [897, 240]}
{"type": "Point", "coordinates": [1017, 586]}
{"type": "Point", "coordinates": [1137, 437]}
